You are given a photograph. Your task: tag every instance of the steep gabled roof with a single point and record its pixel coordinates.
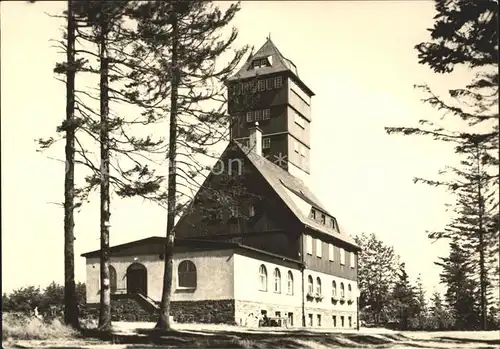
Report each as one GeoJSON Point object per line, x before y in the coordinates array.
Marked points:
{"type": "Point", "coordinates": [282, 183]}
{"type": "Point", "coordinates": [279, 64]}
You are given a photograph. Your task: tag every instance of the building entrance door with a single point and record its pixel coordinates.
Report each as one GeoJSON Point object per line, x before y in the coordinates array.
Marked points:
{"type": "Point", "coordinates": [137, 279]}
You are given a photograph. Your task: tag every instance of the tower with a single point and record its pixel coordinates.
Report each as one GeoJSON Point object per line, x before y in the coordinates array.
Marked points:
{"type": "Point", "coordinates": [267, 89]}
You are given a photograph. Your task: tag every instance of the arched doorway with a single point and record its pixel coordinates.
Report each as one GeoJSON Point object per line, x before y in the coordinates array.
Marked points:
{"type": "Point", "coordinates": [137, 279]}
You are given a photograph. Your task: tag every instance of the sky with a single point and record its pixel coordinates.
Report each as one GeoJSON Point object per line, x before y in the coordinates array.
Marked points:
{"type": "Point", "coordinates": [357, 56]}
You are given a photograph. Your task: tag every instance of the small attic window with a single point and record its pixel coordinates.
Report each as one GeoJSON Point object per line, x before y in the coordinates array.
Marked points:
{"type": "Point", "coordinates": [261, 62]}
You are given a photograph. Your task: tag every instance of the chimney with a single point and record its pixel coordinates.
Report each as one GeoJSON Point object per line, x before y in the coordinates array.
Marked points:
{"type": "Point", "coordinates": [256, 139]}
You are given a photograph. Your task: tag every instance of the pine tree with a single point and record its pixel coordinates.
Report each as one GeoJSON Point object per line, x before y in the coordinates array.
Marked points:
{"type": "Point", "coordinates": [185, 37]}
{"type": "Point", "coordinates": [421, 308]}
{"type": "Point", "coordinates": [69, 126]}
{"type": "Point", "coordinates": [465, 34]}
{"type": "Point", "coordinates": [471, 230]}
{"type": "Point", "coordinates": [404, 298]}
{"type": "Point", "coordinates": [461, 289]}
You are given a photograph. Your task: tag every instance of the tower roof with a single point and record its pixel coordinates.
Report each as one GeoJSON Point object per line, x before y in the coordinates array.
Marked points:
{"type": "Point", "coordinates": [278, 64]}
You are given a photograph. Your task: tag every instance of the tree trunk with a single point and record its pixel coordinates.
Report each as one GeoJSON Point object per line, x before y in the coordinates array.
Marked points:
{"type": "Point", "coordinates": [164, 316]}
{"type": "Point", "coordinates": [70, 301]}
{"type": "Point", "coordinates": [482, 247]}
{"type": "Point", "coordinates": [105, 294]}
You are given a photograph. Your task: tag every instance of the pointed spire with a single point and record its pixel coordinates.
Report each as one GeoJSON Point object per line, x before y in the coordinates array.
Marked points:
{"type": "Point", "coordinates": [269, 36]}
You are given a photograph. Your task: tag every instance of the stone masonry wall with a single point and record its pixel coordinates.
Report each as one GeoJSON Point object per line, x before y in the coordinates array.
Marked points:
{"type": "Point", "coordinates": [207, 311]}
{"type": "Point", "coordinates": [244, 310]}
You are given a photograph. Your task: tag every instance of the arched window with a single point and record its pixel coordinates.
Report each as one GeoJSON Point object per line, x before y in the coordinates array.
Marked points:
{"type": "Point", "coordinates": [290, 283]}
{"type": "Point", "coordinates": [318, 286]}
{"type": "Point", "coordinates": [310, 287]}
{"type": "Point", "coordinates": [277, 280]}
{"type": "Point", "coordinates": [263, 278]}
{"type": "Point", "coordinates": [112, 279]}
{"type": "Point", "coordinates": [334, 289]}
{"type": "Point", "coordinates": [349, 291]}
{"type": "Point", "coordinates": [342, 290]}
{"type": "Point", "coordinates": [186, 272]}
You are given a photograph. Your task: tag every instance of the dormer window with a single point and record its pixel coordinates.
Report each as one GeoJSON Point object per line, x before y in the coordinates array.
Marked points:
{"type": "Point", "coordinates": [313, 214]}
{"type": "Point", "coordinates": [261, 62]}
{"type": "Point", "coordinates": [332, 223]}
{"type": "Point", "coordinates": [323, 218]}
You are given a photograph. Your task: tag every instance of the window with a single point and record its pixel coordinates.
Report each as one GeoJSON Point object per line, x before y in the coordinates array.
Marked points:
{"type": "Point", "coordinates": [245, 87]}
{"type": "Point", "coordinates": [349, 291]}
{"type": "Point", "coordinates": [334, 319]}
{"type": "Point", "coordinates": [262, 85]}
{"type": "Point", "coordinates": [112, 279]}
{"type": "Point", "coordinates": [313, 214]}
{"type": "Point", "coordinates": [323, 218]}
{"type": "Point", "coordinates": [253, 86]}
{"type": "Point", "coordinates": [278, 82]}
{"type": "Point", "coordinates": [332, 223]}
{"type": "Point", "coordinates": [309, 244]}
{"type": "Point", "coordinates": [311, 320]}
{"type": "Point", "coordinates": [341, 321]}
{"type": "Point", "coordinates": [342, 290]}
{"type": "Point", "coordinates": [350, 321]}
{"type": "Point", "coordinates": [342, 256]}
{"type": "Point", "coordinates": [277, 280]}
{"type": "Point", "coordinates": [290, 319]}
{"type": "Point", "coordinates": [319, 320]}
{"type": "Point", "coordinates": [251, 211]}
{"type": "Point", "coordinates": [318, 286]}
{"type": "Point", "coordinates": [269, 84]}
{"type": "Point", "coordinates": [353, 259]}
{"type": "Point", "coordinates": [263, 278]}
{"type": "Point", "coordinates": [266, 143]}
{"type": "Point", "coordinates": [310, 285]}
{"type": "Point", "coordinates": [290, 283]}
{"type": "Point", "coordinates": [266, 114]}
{"type": "Point", "coordinates": [334, 289]}
{"type": "Point", "coordinates": [318, 248]}
{"type": "Point", "coordinates": [186, 274]}
{"type": "Point", "coordinates": [258, 115]}
{"type": "Point", "coordinates": [330, 252]}
{"type": "Point", "coordinates": [250, 117]}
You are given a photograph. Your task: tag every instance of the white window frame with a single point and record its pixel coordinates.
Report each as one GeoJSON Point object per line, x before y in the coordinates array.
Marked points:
{"type": "Point", "coordinates": [289, 283]}
{"type": "Point", "coordinates": [342, 256]}
{"type": "Point", "coordinates": [250, 116]}
{"type": "Point", "coordinates": [266, 143]}
{"type": "Point", "coordinates": [310, 284]}
{"type": "Point", "coordinates": [331, 257]}
{"type": "Point", "coordinates": [266, 114]}
{"type": "Point", "coordinates": [258, 115]}
{"type": "Point", "coordinates": [262, 278]}
{"type": "Point", "coordinates": [319, 248]}
{"type": "Point", "coordinates": [319, 290]}
{"type": "Point", "coordinates": [309, 245]}
{"type": "Point", "coordinates": [269, 84]}
{"type": "Point", "coordinates": [278, 82]}
{"type": "Point", "coordinates": [323, 218]}
{"type": "Point", "coordinates": [334, 289]}
{"type": "Point", "coordinates": [262, 85]}
{"type": "Point", "coordinates": [353, 260]}
{"type": "Point", "coordinates": [277, 280]}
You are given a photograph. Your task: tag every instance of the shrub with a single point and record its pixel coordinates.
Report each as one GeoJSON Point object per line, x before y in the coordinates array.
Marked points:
{"type": "Point", "coordinates": [20, 326]}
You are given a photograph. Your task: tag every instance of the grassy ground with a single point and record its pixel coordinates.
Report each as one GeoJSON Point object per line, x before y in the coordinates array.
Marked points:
{"type": "Point", "coordinates": [35, 334]}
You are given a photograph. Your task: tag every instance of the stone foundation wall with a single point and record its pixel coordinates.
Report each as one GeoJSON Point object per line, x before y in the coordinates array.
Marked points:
{"type": "Point", "coordinates": [327, 318]}
{"type": "Point", "coordinates": [207, 311]}
{"type": "Point", "coordinates": [246, 311]}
